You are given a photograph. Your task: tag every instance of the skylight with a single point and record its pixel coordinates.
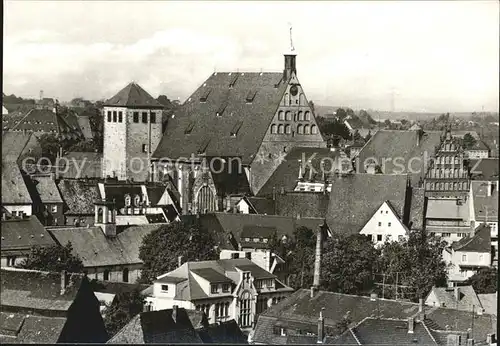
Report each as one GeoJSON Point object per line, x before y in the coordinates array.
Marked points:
{"type": "Point", "coordinates": [236, 128]}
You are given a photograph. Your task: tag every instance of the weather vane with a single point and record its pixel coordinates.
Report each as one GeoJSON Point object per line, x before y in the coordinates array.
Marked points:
{"type": "Point", "coordinates": [291, 41]}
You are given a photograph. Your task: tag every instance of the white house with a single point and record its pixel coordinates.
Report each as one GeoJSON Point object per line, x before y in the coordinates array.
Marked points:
{"type": "Point", "coordinates": [468, 255]}
{"type": "Point", "coordinates": [224, 289]}
{"type": "Point", "coordinates": [385, 225]}
{"type": "Point", "coordinates": [479, 151]}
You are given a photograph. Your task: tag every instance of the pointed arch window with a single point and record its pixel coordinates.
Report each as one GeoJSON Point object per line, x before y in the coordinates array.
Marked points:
{"type": "Point", "coordinates": [245, 309]}
{"type": "Point", "coordinates": [300, 116]}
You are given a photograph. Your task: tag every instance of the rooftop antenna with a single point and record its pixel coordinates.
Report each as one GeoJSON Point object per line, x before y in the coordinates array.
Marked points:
{"type": "Point", "coordinates": [292, 48]}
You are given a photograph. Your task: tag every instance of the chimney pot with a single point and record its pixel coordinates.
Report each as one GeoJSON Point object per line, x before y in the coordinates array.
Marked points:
{"type": "Point", "coordinates": [411, 325]}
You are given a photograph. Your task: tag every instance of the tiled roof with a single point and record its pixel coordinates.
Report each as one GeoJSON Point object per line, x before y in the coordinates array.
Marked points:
{"type": "Point", "coordinates": [207, 129]}
{"type": "Point", "coordinates": [479, 242]}
{"type": "Point", "coordinates": [96, 250]}
{"type": "Point", "coordinates": [37, 290]}
{"type": "Point", "coordinates": [489, 303]}
{"type": "Point", "coordinates": [392, 144]}
{"type": "Point", "coordinates": [446, 296]}
{"type": "Point", "coordinates": [14, 190]}
{"type": "Point", "coordinates": [90, 165]}
{"type": "Point", "coordinates": [13, 144]}
{"type": "Point", "coordinates": [286, 175]}
{"type": "Point", "coordinates": [375, 331]}
{"type": "Point", "coordinates": [158, 327]}
{"type": "Point", "coordinates": [485, 207]}
{"type": "Point", "coordinates": [447, 209]}
{"type": "Point", "coordinates": [133, 96]}
{"type": "Point", "coordinates": [250, 231]}
{"type": "Point", "coordinates": [46, 188]}
{"type": "Point", "coordinates": [79, 196]}
{"type": "Point", "coordinates": [417, 208]}
{"type": "Point", "coordinates": [116, 287]}
{"type": "Point", "coordinates": [261, 205]}
{"type": "Point", "coordinates": [19, 235]}
{"type": "Point", "coordinates": [479, 145]}
{"type": "Point", "coordinates": [211, 275]}
{"type": "Point", "coordinates": [30, 329]}
{"type": "Point", "coordinates": [484, 169]}
{"type": "Point", "coordinates": [45, 121]}
{"type": "Point", "coordinates": [355, 197]}
{"type": "Point", "coordinates": [304, 203]}
{"type": "Point", "coordinates": [223, 333]}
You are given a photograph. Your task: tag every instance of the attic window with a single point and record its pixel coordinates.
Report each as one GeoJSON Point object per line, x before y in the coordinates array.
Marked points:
{"type": "Point", "coordinates": [233, 80]}
{"type": "Point", "coordinates": [203, 146]}
{"type": "Point", "coordinates": [236, 128]}
{"type": "Point", "coordinates": [204, 96]}
{"type": "Point", "coordinates": [221, 109]}
{"type": "Point", "coordinates": [251, 95]}
{"type": "Point", "coordinates": [189, 128]}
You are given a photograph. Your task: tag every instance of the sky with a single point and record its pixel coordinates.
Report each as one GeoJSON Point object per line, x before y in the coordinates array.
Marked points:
{"type": "Point", "coordinates": [407, 56]}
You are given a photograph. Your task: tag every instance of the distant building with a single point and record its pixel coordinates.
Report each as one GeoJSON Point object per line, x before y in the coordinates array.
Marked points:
{"type": "Point", "coordinates": [42, 307]}
{"type": "Point", "coordinates": [225, 289]}
{"type": "Point", "coordinates": [132, 131]}
{"type": "Point", "coordinates": [16, 198]}
{"type": "Point", "coordinates": [46, 196]}
{"type": "Point", "coordinates": [106, 292]}
{"type": "Point", "coordinates": [479, 151]}
{"type": "Point", "coordinates": [484, 169]}
{"type": "Point", "coordinates": [468, 255]}
{"type": "Point", "coordinates": [459, 297]}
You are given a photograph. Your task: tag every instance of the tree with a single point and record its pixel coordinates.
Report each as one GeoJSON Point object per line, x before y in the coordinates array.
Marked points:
{"type": "Point", "coordinates": [125, 306]}
{"type": "Point", "coordinates": [54, 258]}
{"type": "Point", "coordinates": [164, 100]}
{"type": "Point", "coordinates": [356, 136]}
{"type": "Point", "coordinates": [333, 128]}
{"type": "Point", "coordinates": [348, 264]}
{"type": "Point", "coordinates": [368, 136]}
{"type": "Point", "coordinates": [341, 113]}
{"type": "Point", "coordinates": [469, 141]}
{"type": "Point", "coordinates": [484, 281]}
{"type": "Point", "coordinates": [415, 262]}
{"type": "Point", "coordinates": [50, 146]}
{"type": "Point", "coordinates": [160, 249]}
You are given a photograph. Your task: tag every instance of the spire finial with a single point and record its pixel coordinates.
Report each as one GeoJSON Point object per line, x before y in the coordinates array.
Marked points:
{"type": "Point", "coordinates": [292, 48]}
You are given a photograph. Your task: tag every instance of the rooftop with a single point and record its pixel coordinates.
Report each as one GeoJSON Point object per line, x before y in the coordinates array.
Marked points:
{"type": "Point", "coordinates": [133, 96]}
{"type": "Point", "coordinates": [485, 207]}
{"type": "Point", "coordinates": [79, 196]}
{"type": "Point", "coordinates": [447, 209]}
{"type": "Point", "coordinates": [479, 242]}
{"type": "Point", "coordinates": [19, 235]}
{"type": "Point", "coordinates": [446, 297]}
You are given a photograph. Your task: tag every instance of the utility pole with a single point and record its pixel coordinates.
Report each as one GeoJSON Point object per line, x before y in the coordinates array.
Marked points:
{"type": "Point", "coordinates": [397, 277]}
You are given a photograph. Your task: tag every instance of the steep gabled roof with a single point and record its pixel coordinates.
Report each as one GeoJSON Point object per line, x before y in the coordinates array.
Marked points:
{"type": "Point", "coordinates": [479, 145]}
{"type": "Point", "coordinates": [46, 188]}
{"type": "Point", "coordinates": [467, 297]}
{"type": "Point", "coordinates": [19, 235]}
{"type": "Point", "coordinates": [79, 196]}
{"type": "Point", "coordinates": [13, 144]}
{"type": "Point", "coordinates": [484, 169]}
{"type": "Point", "coordinates": [479, 242]}
{"type": "Point", "coordinates": [14, 190]}
{"type": "Point", "coordinates": [44, 121]}
{"type": "Point", "coordinates": [133, 96]}
{"type": "Point", "coordinates": [211, 114]}
{"type": "Point", "coordinates": [355, 197]}
{"type": "Point", "coordinates": [303, 203]}
{"type": "Point", "coordinates": [30, 329]}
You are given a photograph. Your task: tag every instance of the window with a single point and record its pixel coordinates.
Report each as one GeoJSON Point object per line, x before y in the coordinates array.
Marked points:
{"type": "Point", "coordinates": [109, 116]}
{"type": "Point", "coordinates": [125, 275]}
{"type": "Point", "coordinates": [379, 237]}
{"type": "Point", "coordinates": [258, 284]}
{"type": "Point", "coordinates": [281, 129]}
{"type": "Point", "coordinates": [54, 208]}
{"type": "Point", "coordinates": [120, 117]}
{"type": "Point", "coordinates": [381, 212]}
{"type": "Point", "coordinates": [144, 117]}
{"type": "Point", "coordinates": [189, 128]}
{"type": "Point", "coordinates": [221, 110]}
{"type": "Point", "coordinates": [314, 129]}
{"type": "Point", "coordinates": [288, 116]}
{"type": "Point", "coordinates": [307, 115]}
{"type": "Point", "coordinates": [288, 129]}
{"type": "Point", "coordinates": [274, 128]}
{"type": "Point", "coordinates": [256, 240]}
{"type": "Point", "coordinates": [306, 129]}
{"type": "Point", "coordinates": [214, 288]}
{"type": "Point", "coordinates": [127, 201]}
{"type": "Point", "coordinates": [444, 235]}
{"type": "Point", "coordinates": [380, 224]}
{"type": "Point", "coordinates": [464, 258]}
{"type": "Point", "coordinates": [400, 238]}
{"type": "Point", "coordinates": [106, 275]}
{"type": "Point", "coordinates": [204, 97]}
{"type": "Point", "coordinates": [300, 129]}
{"type": "Point", "coordinates": [281, 115]}
{"type": "Point", "coordinates": [137, 200]}
{"type": "Point", "coordinates": [389, 224]}
{"type": "Point", "coordinates": [300, 116]}
{"type": "Point", "coordinates": [247, 239]}
{"type": "Point", "coordinates": [225, 288]}
{"type": "Point", "coordinates": [136, 117]}
{"type": "Point", "coordinates": [370, 237]}
{"type": "Point", "coordinates": [245, 310]}
{"type": "Point", "coordinates": [251, 95]}
{"type": "Point", "coordinates": [236, 128]}
{"type": "Point", "coordinates": [164, 288]}
{"type": "Point", "coordinates": [152, 118]}
{"type": "Point", "coordinates": [114, 116]}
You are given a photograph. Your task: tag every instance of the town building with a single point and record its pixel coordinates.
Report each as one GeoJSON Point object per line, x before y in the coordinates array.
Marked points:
{"type": "Point", "coordinates": [19, 235]}
{"type": "Point", "coordinates": [5, 111]}
{"type": "Point", "coordinates": [468, 255]}
{"type": "Point", "coordinates": [255, 205]}
{"type": "Point", "coordinates": [107, 291]}
{"type": "Point", "coordinates": [250, 120]}
{"type": "Point", "coordinates": [16, 199]}
{"type": "Point", "coordinates": [449, 219]}
{"type": "Point", "coordinates": [459, 298]}
{"type": "Point", "coordinates": [175, 326]}
{"type": "Point", "coordinates": [478, 151]}
{"type": "Point", "coordinates": [132, 131]}
{"type": "Point", "coordinates": [79, 196]}
{"type": "Point", "coordinates": [44, 307]}
{"type": "Point", "coordinates": [81, 165]}
{"type": "Point", "coordinates": [46, 198]}
{"type": "Point", "coordinates": [224, 289]}
{"type": "Point", "coordinates": [484, 209]}
{"type": "Point", "coordinates": [19, 147]}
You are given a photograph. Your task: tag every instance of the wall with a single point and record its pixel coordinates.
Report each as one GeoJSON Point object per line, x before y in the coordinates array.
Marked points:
{"type": "Point", "coordinates": [115, 272]}
{"type": "Point", "coordinates": [473, 258]}
{"type": "Point", "coordinates": [26, 209]}
{"type": "Point", "coordinates": [477, 154]}
{"type": "Point", "coordinates": [243, 207]}
{"type": "Point", "coordinates": [83, 219]}
{"type": "Point", "coordinates": [384, 216]}
{"type": "Point", "coordinates": [115, 135]}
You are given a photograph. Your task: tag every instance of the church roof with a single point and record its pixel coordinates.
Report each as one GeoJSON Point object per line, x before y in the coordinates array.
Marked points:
{"type": "Point", "coordinates": [228, 115]}
{"type": "Point", "coordinates": [133, 96]}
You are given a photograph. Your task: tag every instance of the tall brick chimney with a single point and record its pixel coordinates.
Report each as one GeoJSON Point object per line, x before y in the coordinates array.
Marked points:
{"type": "Point", "coordinates": [317, 261]}
{"type": "Point", "coordinates": [321, 327]}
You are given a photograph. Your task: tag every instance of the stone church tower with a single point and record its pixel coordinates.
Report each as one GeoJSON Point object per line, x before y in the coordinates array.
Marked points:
{"type": "Point", "coordinates": [132, 131]}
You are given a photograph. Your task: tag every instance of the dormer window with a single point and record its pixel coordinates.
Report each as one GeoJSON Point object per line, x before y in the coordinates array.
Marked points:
{"type": "Point", "coordinates": [127, 201]}
{"type": "Point", "coordinates": [236, 128]}
{"type": "Point", "coordinates": [225, 288]}
{"type": "Point", "coordinates": [189, 128]}
{"type": "Point", "coordinates": [214, 288]}
{"type": "Point", "coordinates": [251, 95]}
{"type": "Point", "coordinates": [221, 109]}
{"type": "Point", "coordinates": [233, 80]}
{"type": "Point", "coordinates": [204, 96]}
{"type": "Point", "coordinates": [164, 288]}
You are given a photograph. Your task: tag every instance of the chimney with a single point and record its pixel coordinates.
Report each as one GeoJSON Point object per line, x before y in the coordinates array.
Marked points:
{"type": "Point", "coordinates": [64, 281]}
{"type": "Point", "coordinates": [421, 311]}
{"type": "Point", "coordinates": [321, 327]}
{"type": "Point", "coordinates": [179, 261]}
{"type": "Point", "coordinates": [418, 138]}
{"type": "Point", "coordinates": [373, 297]}
{"type": "Point", "coordinates": [411, 325]}
{"type": "Point", "coordinates": [174, 313]}
{"type": "Point", "coordinates": [457, 293]}
{"type": "Point", "coordinates": [470, 342]}
{"type": "Point", "coordinates": [317, 261]}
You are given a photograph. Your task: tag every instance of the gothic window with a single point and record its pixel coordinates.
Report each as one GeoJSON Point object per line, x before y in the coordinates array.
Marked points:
{"type": "Point", "coordinates": [127, 200]}
{"type": "Point", "coordinates": [288, 116]}
{"type": "Point", "coordinates": [286, 99]}
{"type": "Point", "coordinates": [302, 99]}
{"type": "Point", "coordinates": [314, 129]}
{"type": "Point", "coordinates": [306, 129]}
{"type": "Point", "coordinates": [300, 129]}
{"type": "Point", "coordinates": [446, 187]}
{"type": "Point", "coordinates": [300, 116]}
{"type": "Point", "coordinates": [288, 129]}
{"type": "Point", "coordinates": [125, 275]}
{"type": "Point", "coordinates": [137, 200]}
{"type": "Point", "coordinates": [245, 310]}
{"type": "Point", "coordinates": [281, 115]}
{"type": "Point", "coordinates": [455, 186]}
{"type": "Point", "coordinates": [456, 173]}
{"type": "Point", "coordinates": [307, 115]}
{"type": "Point", "coordinates": [206, 200]}
{"type": "Point", "coordinates": [281, 128]}
{"type": "Point", "coordinates": [274, 128]}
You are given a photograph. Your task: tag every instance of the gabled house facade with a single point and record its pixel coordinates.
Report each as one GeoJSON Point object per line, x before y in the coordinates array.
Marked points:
{"type": "Point", "coordinates": [224, 289]}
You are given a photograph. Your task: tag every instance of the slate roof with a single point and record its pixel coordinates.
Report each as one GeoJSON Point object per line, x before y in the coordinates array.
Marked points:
{"type": "Point", "coordinates": [447, 209]}
{"type": "Point", "coordinates": [115, 287]}
{"type": "Point", "coordinates": [250, 231]}
{"type": "Point", "coordinates": [79, 196]}
{"type": "Point", "coordinates": [20, 235]}
{"type": "Point", "coordinates": [392, 144]}
{"type": "Point", "coordinates": [133, 96]}
{"type": "Point", "coordinates": [95, 249]}
{"type": "Point", "coordinates": [484, 205]}
{"type": "Point", "coordinates": [46, 188]}
{"type": "Point", "coordinates": [304, 203]}
{"type": "Point", "coordinates": [45, 121]}
{"type": "Point", "coordinates": [89, 163]}
{"type": "Point", "coordinates": [14, 190]}
{"type": "Point", "coordinates": [211, 275]}
{"type": "Point", "coordinates": [13, 144]}
{"type": "Point", "coordinates": [30, 329]}
{"type": "Point", "coordinates": [479, 145]}
{"type": "Point", "coordinates": [286, 176]}
{"type": "Point", "coordinates": [479, 242]}
{"type": "Point", "coordinates": [467, 297]}
{"type": "Point", "coordinates": [260, 205]}
{"type": "Point", "coordinates": [117, 193]}
{"type": "Point", "coordinates": [158, 327]}
{"type": "Point", "coordinates": [37, 290]}
{"type": "Point", "coordinates": [484, 169]}
{"type": "Point", "coordinates": [355, 197]}
{"type": "Point", "coordinates": [223, 333]}
{"type": "Point", "coordinates": [489, 302]}
{"type": "Point", "coordinates": [198, 116]}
